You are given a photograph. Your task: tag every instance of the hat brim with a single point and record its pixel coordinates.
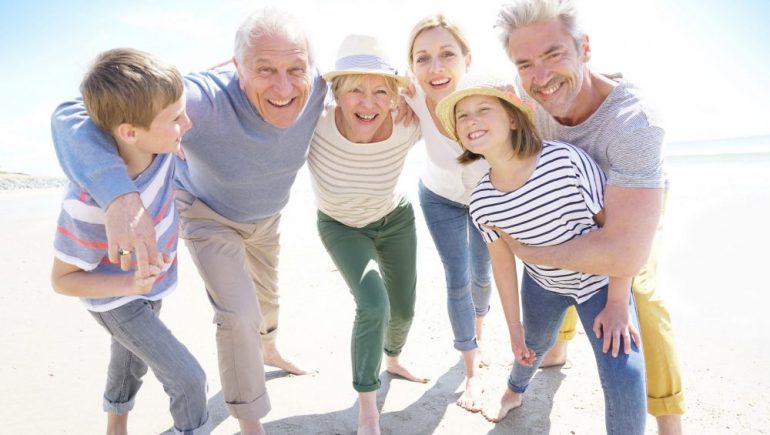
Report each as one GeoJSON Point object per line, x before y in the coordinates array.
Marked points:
{"type": "Point", "coordinates": [402, 81]}
{"type": "Point", "coordinates": [445, 109]}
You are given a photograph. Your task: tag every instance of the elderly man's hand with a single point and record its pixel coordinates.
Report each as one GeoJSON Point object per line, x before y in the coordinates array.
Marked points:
{"type": "Point", "coordinates": [131, 232]}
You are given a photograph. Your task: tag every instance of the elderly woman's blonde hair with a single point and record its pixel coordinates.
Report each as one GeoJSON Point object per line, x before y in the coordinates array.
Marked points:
{"type": "Point", "coordinates": [347, 82]}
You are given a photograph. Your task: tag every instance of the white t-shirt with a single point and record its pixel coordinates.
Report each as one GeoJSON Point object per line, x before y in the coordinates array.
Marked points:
{"type": "Point", "coordinates": [442, 174]}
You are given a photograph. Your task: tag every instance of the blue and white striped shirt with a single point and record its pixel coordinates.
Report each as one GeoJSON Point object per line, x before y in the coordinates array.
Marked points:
{"type": "Point", "coordinates": [81, 238]}
{"type": "Point", "coordinates": [557, 203]}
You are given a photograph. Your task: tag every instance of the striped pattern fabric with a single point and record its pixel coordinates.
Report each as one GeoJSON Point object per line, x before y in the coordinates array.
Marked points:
{"type": "Point", "coordinates": [81, 239]}
{"type": "Point", "coordinates": [356, 183]}
{"type": "Point", "coordinates": [556, 204]}
{"type": "Point", "coordinates": [364, 62]}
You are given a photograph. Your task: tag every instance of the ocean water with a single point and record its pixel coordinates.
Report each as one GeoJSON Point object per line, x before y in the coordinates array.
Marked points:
{"type": "Point", "coordinates": [42, 160]}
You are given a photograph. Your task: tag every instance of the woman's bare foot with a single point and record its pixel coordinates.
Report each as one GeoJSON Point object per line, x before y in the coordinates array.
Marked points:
{"type": "Point", "coordinates": [273, 358]}
{"type": "Point", "coordinates": [395, 368]}
{"type": "Point", "coordinates": [556, 355]}
{"type": "Point", "coordinates": [471, 397]}
{"type": "Point", "coordinates": [481, 356]}
{"type": "Point", "coordinates": [368, 414]}
{"type": "Point", "coordinates": [117, 424]}
{"type": "Point", "coordinates": [497, 412]}
{"type": "Point", "coordinates": [251, 427]}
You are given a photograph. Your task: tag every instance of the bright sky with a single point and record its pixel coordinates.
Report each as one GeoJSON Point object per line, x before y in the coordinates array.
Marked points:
{"type": "Point", "coordinates": [704, 63]}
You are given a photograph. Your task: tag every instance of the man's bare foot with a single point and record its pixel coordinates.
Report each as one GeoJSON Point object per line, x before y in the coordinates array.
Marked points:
{"type": "Point", "coordinates": [471, 397]}
{"type": "Point", "coordinates": [273, 358]}
{"type": "Point", "coordinates": [669, 424]}
{"type": "Point", "coordinates": [251, 427]}
{"type": "Point", "coordinates": [368, 414]}
{"type": "Point", "coordinates": [556, 355]}
{"type": "Point", "coordinates": [395, 368]}
{"type": "Point", "coordinates": [497, 412]}
{"type": "Point", "coordinates": [117, 424]}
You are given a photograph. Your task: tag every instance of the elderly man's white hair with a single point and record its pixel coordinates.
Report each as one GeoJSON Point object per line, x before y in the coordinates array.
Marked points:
{"type": "Point", "coordinates": [520, 13]}
{"type": "Point", "coordinates": [269, 22]}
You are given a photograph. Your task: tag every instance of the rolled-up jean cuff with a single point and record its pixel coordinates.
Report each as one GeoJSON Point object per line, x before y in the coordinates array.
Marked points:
{"type": "Point", "coordinates": [253, 411]}
{"type": "Point", "coordinates": [515, 388]}
{"type": "Point", "coordinates": [671, 405]}
{"type": "Point", "coordinates": [465, 346]}
{"type": "Point", "coordinates": [200, 430]}
{"type": "Point", "coordinates": [117, 407]}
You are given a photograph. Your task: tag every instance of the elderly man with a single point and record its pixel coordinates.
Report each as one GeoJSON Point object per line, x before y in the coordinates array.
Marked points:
{"type": "Point", "coordinates": [606, 117]}
{"type": "Point", "coordinates": [250, 136]}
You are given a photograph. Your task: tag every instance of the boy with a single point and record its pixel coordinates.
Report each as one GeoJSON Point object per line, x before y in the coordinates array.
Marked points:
{"type": "Point", "coordinates": [139, 101]}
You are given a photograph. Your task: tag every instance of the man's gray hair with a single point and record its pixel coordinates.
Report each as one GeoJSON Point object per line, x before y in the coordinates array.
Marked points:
{"type": "Point", "coordinates": [520, 13]}
{"type": "Point", "coordinates": [269, 22]}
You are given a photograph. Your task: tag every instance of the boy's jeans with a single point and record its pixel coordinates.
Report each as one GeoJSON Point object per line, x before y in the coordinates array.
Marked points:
{"type": "Point", "coordinates": [140, 339]}
{"type": "Point", "coordinates": [622, 377]}
{"type": "Point", "coordinates": [466, 264]}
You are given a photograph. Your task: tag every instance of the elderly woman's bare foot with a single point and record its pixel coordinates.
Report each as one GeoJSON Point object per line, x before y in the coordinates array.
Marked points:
{"type": "Point", "coordinates": [368, 414]}
{"type": "Point", "coordinates": [273, 358]}
{"type": "Point", "coordinates": [471, 397]}
{"type": "Point", "coordinates": [497, 412]}
{"type": "Point", "coordinates": [395, 368]}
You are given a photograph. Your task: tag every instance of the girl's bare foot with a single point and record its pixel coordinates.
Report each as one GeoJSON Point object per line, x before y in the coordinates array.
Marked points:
{"type": "Point", "coordinates": [481, 356]}
{"type": "Point", "coordinates": [471, 397]}
{"type": "Point", "coordinates": [273, 358]}
{"type": "Point", "coordinates": [395, 368]}
{"type": "Point", "coordinates": [368, 414]}
{"type": "Point", "coordinates": [497, 412]}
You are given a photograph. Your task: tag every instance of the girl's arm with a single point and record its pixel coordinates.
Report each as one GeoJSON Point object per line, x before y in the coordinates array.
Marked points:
{"type": "Point", "coordinates": [506, 280]}
{"type": "Point", "coordinates": [70, 280]}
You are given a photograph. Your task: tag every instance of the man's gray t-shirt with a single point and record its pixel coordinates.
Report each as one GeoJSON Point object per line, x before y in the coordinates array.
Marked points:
{"type": "Point", "coordinates": [622, 136]}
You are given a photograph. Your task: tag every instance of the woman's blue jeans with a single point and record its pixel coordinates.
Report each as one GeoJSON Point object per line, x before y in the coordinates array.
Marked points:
{"type": "Point", "coordinates": [466, 264]}
{"type": "Point", "coordinates": [622, 377]}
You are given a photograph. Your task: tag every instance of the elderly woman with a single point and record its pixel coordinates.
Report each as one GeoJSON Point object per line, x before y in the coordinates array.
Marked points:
{"type": "Point", "coordinates": [439, 56]}
{"type": "Point", "coordinates": [355, 159]}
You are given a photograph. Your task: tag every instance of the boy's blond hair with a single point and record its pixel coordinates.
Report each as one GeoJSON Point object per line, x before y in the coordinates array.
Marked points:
{"type": "Point", "coordinates": [129, 86]}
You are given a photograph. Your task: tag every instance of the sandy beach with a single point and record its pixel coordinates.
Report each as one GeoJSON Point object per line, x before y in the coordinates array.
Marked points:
{"type": "Point", "coordinates": [54, 355]}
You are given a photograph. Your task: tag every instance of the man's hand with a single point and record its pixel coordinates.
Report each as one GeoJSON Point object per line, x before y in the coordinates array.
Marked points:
{"type": "Point", "coordinates": [512, 243]}
{"type": "Point", "coordinates": [614, 324]}
{"type": "Point", "coordinates": [130, 231]}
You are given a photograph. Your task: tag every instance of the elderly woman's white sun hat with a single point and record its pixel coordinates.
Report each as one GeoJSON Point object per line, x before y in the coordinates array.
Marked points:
{"type": "Point", "coordinates": [362, 54]}
{"type": "Point", "coordinates": [478, 83]}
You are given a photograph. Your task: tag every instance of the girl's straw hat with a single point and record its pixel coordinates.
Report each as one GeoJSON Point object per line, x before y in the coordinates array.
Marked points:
{"type": "Point", "coordinates": [483, 83]}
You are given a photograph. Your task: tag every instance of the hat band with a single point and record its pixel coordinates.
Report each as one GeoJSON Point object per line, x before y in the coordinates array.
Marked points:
{"type": "Point", "coordinates": [364, 62]}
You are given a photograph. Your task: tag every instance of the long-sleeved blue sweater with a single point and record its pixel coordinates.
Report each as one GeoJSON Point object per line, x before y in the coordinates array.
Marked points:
{"type": "Point", "coordinates": [236, 163]}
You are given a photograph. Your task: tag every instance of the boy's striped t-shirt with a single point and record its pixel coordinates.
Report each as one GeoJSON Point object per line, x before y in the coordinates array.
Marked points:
{"type": "Point", "coordinates": [557, 203]}
{"type": "Point", "coordinates": [81, 238]}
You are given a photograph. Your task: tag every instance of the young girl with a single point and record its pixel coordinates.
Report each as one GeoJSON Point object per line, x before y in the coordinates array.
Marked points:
{"type": "Point", "coordinates": [544, 193]}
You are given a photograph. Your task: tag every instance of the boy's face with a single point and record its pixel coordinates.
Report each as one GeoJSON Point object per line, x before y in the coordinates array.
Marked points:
{"type": "Point", "coordinates": [166, 130]}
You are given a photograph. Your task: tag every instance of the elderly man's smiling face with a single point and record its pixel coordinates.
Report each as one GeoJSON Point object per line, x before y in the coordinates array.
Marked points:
{"type": "Point", "coordinates": [276, 78]}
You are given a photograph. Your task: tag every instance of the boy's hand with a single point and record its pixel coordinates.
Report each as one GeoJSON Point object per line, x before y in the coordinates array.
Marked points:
{"type": "Point", "coordinates": [524, 355]}
{"type": "Point", "coordinates": [143, 283]}
{"type": "Point", "coordinates": [614, 324]}
{"type": "Point", "coordinates": [131, 232]}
